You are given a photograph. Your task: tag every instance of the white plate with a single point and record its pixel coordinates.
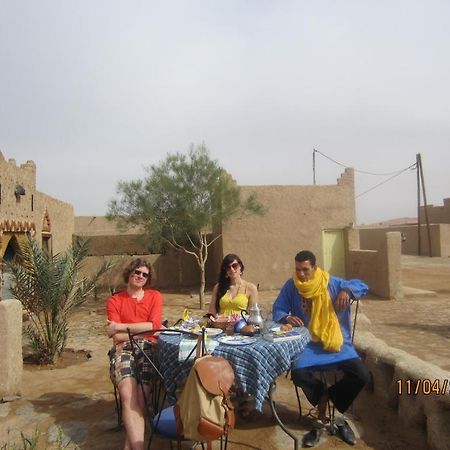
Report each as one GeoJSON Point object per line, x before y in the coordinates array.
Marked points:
{"type": "Point", "coordinates": [236, 340]}
{"type": "Point", "coordinates": [168, 331]}
{"type": "Point", "coordinates": [213, 331]}
{"type": "Point", "coordinates": [275, 329]}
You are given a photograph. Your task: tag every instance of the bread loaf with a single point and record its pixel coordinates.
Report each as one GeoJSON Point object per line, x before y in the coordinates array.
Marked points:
{"type": "Point", "coordinates": [248, 330]}
{"type": "Point", "coordinates": [287, 327]}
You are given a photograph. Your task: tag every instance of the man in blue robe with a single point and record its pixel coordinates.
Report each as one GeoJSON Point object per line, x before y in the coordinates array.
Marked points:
{"type": "Point", "coordinates": [321, 302]}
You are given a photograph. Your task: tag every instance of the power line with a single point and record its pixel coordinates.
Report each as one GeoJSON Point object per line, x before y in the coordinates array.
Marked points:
{"type": "Point", "coordinates": [412, 166]}
{"type": "Point", "coordinates": [359, 171]}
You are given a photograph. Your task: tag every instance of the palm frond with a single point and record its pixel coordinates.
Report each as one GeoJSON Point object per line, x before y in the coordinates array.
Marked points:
{"type": "Point", "coordinates": [49, 288]}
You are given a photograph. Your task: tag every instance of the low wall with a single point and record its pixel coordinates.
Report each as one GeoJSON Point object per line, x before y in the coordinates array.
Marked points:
{"type": "Point", "coordinates": [370, 239]}
{"type": "Point", "coordinates": [379, 268]}
{"type": "Point", "coordinates": [124, 244]}
{"type": "Point", "coordinates": [391, 368]}
{"type": "Point", "coordinates": [173, 271]}
{"type": "Point", "coordinates": [11, 338]}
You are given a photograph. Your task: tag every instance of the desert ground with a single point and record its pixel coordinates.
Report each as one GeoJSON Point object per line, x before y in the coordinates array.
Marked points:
{"type": "Point", "coordinates": [75, 398]}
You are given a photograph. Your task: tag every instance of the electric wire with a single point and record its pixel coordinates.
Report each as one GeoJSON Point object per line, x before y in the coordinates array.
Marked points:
{"type": "Point", "coordinates": [357, 170]}
{"type": "Point", "coordinates": [412, 166]}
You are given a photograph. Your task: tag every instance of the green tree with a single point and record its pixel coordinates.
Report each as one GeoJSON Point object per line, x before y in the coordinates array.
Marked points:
{"type": "Point", "coordinates": [49, 288]}
{"type": "Point", "coordinates": [180, 202]}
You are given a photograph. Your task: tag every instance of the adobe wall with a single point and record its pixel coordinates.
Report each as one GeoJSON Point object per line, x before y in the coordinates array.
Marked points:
{"type": "Point", "coordinates": [295, 219]}
{"type": "Point", "coordinates": [60, 216]}
{"type": "Point", "coordinates": [173, 271]}
{"type": "Point", "coordinates": [100, 226]}
{"type": "Point", "coordinates": [427, 412]}
{"type": "Point", "coordinates": [444, 240]}
{"type": "Point", "coordinates": [436, 214]}
{"type": "Point", "coordinates": [370, 238]}
{"type": "Point", "coordinates": [379, 268]}
{"type": "Point", "coordinates": [11, 337]}
{"type": "Point", "coordinates": [126, 244]}
{"type": "Point", "coordinates": [20, 214]}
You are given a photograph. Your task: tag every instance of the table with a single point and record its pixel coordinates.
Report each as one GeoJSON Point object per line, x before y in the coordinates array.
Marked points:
{"type": "Point", "coordinates": [256, 365]}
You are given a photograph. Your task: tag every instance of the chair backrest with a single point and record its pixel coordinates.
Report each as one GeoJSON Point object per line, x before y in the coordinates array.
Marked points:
{"type": "Point", "coordinates": [355, 318]}
{"type": "Point", "coordinates": [159, 399]}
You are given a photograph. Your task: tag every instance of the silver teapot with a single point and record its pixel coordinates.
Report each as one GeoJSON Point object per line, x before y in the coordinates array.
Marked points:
{"type": "Point", "coordinates": [254, 316]}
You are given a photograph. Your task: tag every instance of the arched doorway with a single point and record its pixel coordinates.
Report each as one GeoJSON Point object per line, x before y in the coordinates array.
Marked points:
{"type": "Point", "coordinates": [10, 254]}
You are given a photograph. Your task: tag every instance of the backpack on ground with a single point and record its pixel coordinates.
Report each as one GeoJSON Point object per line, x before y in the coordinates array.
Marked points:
{"type": "Point", "coordinates": [204, 411]}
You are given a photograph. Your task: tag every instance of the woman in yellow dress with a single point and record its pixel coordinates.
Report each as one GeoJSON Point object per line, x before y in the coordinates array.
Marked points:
{"type": "Point", "coordinates": [232, 294]}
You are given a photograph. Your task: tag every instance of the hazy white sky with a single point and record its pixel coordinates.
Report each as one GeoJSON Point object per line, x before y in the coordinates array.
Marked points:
{"type": "Point", "coordinates": [93, 91]}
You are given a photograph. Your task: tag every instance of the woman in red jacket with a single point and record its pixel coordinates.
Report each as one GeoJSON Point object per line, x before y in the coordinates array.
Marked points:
{"type": "Point", "coordinates": [138, 309]}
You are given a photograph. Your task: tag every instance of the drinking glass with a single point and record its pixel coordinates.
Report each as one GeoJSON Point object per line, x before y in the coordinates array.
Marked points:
{"type": "Point", "coordinates": [268, 323]}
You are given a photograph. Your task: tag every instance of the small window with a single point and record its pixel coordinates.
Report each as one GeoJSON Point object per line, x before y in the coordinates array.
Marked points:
{"type": "Point", "coordinates": [32, 202]}
{"type": "Point", "coordinates": [47, 243]}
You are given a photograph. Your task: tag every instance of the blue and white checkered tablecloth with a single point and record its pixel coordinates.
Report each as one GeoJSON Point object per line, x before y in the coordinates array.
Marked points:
{"type": "Point", "coordinates": [256, 365]}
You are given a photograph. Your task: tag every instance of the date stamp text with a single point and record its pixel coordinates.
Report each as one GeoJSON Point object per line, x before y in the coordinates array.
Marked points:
{"type": "Point", "coordinates": [423, 386]}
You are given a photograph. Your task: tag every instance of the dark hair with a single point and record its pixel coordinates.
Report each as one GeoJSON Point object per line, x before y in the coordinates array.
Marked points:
{"type": "Point", "coordinates": [135, 264]}
{"type": "Point", "coordinates": [224, 281]}
{"type": "Point", "coordinates": [306, 255]}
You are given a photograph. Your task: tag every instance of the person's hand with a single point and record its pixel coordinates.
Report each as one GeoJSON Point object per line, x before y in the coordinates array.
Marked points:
{"type": "Point", "coordinates": [294, 321]}
{"type": "Point", "coordinates": [111, 328]}
{"type": "Point", "coordinates": [342, 300]}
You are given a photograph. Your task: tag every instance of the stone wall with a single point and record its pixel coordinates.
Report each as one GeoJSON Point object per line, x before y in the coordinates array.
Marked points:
{"type": "Point", "coordinates": [295, 220]}
{"type": "Point", "coordinates": [428, 411]}
{"type": "Point", "coordinates": [11, 339]}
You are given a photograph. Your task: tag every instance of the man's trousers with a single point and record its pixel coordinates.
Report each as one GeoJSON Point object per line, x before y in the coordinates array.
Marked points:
{"type": "Point", "coordinates": [356, 376]}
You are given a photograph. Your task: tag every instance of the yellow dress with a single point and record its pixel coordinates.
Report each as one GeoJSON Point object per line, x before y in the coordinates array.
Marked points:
{"type": "Point", "coordinates": [234, 305]}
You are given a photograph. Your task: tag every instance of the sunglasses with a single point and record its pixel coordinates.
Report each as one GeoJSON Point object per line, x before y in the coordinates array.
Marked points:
{"type": "Point", "coordinates": [234, 266]}
{"type": "Point", "coordinates": [143, 274]}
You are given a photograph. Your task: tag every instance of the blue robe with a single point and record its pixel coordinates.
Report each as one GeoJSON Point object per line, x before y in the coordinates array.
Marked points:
{"type": "Point", "coordinates": [289, 301]}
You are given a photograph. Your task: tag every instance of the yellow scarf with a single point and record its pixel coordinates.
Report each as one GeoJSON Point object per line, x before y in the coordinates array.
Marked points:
{"type": "Point", "coordinates": [323, 324]}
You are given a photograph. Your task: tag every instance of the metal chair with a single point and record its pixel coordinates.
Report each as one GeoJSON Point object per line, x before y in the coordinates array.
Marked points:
{"type": "Point", "coordinates": [117, 401]}
{"type": "Point", "coordinates": [333, 371]}
{"type": "Point", "coordinates": [160, 414]}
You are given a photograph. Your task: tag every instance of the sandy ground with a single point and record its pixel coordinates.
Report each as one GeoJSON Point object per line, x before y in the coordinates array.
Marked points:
{"type": "Point", "coordinates": [76, 395]}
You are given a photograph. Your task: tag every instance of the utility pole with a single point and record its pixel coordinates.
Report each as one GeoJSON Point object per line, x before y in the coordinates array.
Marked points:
{"type": "Point", "coordinates": [314, 166]}
{"type": "Point", "coordinates": [419, 238]}
{"type": "Point", "coordinates": [422, 181]}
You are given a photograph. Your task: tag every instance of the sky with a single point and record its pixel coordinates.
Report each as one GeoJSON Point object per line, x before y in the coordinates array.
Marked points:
{"type": "Point", "coordinates": [95, 91]}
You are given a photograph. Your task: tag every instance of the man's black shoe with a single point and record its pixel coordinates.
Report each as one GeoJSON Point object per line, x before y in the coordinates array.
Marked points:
{"type": "Point", "coordinates": [346, 433]}
{"type": "Point", "coordinates": [311, 438]}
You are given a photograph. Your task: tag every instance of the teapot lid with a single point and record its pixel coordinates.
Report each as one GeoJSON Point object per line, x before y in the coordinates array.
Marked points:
{"type": "Point", "coordinates": [255, 307]}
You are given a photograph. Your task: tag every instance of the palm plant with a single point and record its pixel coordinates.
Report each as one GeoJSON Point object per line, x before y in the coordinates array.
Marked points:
{"type": "Point", "coordinates": [49, 288]}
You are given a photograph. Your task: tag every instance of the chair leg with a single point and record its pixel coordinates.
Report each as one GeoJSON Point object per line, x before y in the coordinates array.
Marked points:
{"type": "Point", "coordinates": [332, 429]}
{"type": "Point", "coordinates": [118, 407]}
{"type": "Point", "coordinates": [299, 403]}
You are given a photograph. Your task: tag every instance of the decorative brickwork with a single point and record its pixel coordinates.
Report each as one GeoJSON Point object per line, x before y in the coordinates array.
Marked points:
{"type": "Point", "coordinates": [24, 210]}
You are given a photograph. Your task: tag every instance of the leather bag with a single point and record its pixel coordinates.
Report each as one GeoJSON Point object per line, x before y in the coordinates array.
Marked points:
{"type": "Point", "coordinates": [204, 411]}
